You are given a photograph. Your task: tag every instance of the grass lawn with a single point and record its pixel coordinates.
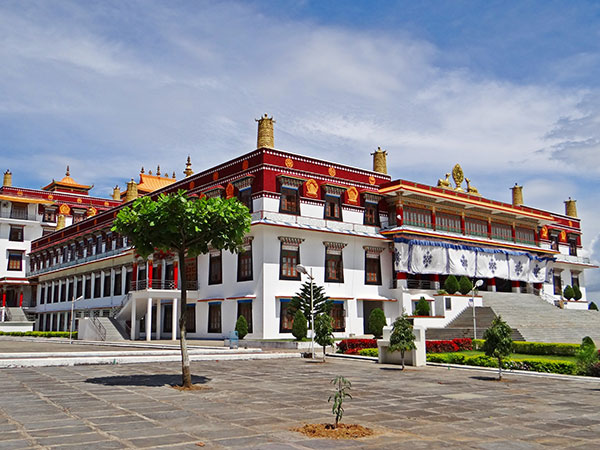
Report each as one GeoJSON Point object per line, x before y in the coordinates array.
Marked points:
{"type": "Point", "coordinates": [513, 356]}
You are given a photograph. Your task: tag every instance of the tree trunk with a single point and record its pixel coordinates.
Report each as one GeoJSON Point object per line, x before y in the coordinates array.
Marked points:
{"type": "Point", "coordinates": [186, 374]}
{"type": "Point", "coordinates": [402, 357]}
{"type": "Point", "coordinates": [324, 353]}
{"type": "Point", "coordinates": [499, 369]}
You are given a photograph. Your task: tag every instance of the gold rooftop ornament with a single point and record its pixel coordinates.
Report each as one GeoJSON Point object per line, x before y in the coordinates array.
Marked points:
{"type": "Point", "coordinates": [444, 183]}
{"type": "Point", "coordinates": [471, 189]}
{"type": "Point", "coordinates": [458, 176]}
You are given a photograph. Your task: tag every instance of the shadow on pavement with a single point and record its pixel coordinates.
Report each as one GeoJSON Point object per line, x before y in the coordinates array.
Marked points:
{"type": "Point", "coordinates": [145, 380]}
{"type": "Point", "coordinates": [394, 369]}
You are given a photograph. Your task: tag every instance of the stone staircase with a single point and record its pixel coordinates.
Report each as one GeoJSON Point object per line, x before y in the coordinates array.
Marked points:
{"type": "Point", "coordinates": [539, 321]}
{"type": "Point", "coordinates": [115, 331]}
{"type": "Point", "coordinates": [462, 326]}
{"type": "Point", "coordinates": [17, 314]}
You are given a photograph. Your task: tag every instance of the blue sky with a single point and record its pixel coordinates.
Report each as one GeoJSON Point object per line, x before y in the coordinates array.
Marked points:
{"type": "Point", "coordinates": [508, 89]}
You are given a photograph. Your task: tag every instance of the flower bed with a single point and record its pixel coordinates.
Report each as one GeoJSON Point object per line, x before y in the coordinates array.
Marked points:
{"type": "Point", "coordinates": [455, 345]}
{"type": "Point", "coordinates": [352, 346]}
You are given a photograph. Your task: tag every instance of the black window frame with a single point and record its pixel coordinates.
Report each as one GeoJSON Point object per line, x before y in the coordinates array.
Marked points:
{"type": "Point", "coordinates": [245, 197]}
{"type": "Point", "coordinates": [285, 318]}
{"type": "Point", "coordinates": [215, 276]}
{"type": "Point", "coordinates": [212, 306]}
{"type": "Point", "coordinates": [377, 261]}
{"type": "Point", "coordinates": [243, 258]}
{"type": "Point", "coordinates": [19, 230]}
{"type": "Point", "coordinates": [333, 205]}
{"type": "Point", "coordinates": [339, 259]}
{"type": "Point", "coordinates": [14, 256]}
{"type": "Point", "coordinates": [285, 193]}
{"type": "Point", "coordinates": [374, 207]}
{"type": "Point", "coordinates": [107, 284]}
{"type": "Point", "coordinates": [337, 320]}
{"type": "Point", "coordinates": [242, 311]}
{"type": "Point", "coordinates": [283, 276]}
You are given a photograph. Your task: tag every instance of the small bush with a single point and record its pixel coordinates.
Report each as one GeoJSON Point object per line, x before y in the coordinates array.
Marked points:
{"type": "Point", "coordinates": [422, 308]}
{"type": "Point", "coordinates": [587, 355]}
{"type": "Point", "coordinates": [464, 343]}
{"type": "Point", "coordinates": [241, 326]}
{"type": "Point", "coordinates": [369, 352]}
{"type": "Point", "coordinates": [568, 293]}
{"type": "Point", "coordinates": [577, 292]}
{"type": "Point", "coordinates": [377, 322]}
{"type": "Point", "coordinates": [595, 370]}
{"type": "Point", "coordinates": [593, 306]}
{"type": "Point", "coordinates": [299, 326]}
{"type": "Point", "coordinates": [44, 334]}
{"type": "Point", "coordinates": [451, 285]}
{"type": "Point", "coordinates": [465, 285]}
{"type": "Point", "coordinates": [352, 346]}
{"type": "Point", "coordinates": [537, 348]}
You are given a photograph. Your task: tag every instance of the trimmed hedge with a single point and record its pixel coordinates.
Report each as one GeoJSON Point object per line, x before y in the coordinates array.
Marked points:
{"type": "Point", "coordinates": [537, 348]}
{"type": "Point", "coordinates": [533, 364]}
{"type": "Point", "coordinates": [352, 346]}
{"type": "Point", "coordinates": [369, 352]}
{"type": "Point", "coordinates": [455, 345]}
{"type": "Point", "coordinates": [45, 334]}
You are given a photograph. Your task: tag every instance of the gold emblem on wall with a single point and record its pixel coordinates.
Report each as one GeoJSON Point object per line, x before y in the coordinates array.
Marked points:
{"type": "Point", "coordinates": [245, 164]}
{"type": "Point", "coordinates": [20, 193]}
{"type": "Point", "coordinates": [64, 209]}
{"type": "Point", "coordinates": [312, 188]}
{"type": "Point", "coordinates": [332, 171]}
{"type": "Point", "coordinates": [563, 236]}
{"type": "Point", "coordinates": [289, 163]}
{"type": "Point", "coordinates": [79, 200]}
{"type": "Point", "coordinates": [106, 203]}
{"type": "Point", "coordinates": [215, 176]}
{"type": "Point", "coordinates": [50, 196]}
{"type": "Point", "coordinates": [371, 180]}
{"type": "Point", "coordinates": [229, 190]}
{"type": "Point", "coordinates": [352, 195]}
{"type": "Point", "coordinates": [544, 232]}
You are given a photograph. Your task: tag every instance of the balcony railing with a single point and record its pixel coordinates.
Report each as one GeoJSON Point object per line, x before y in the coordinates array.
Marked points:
{"type": "Point", "coordinates": [77, 261]}
{"type": "Point", "coordinates": [19, 215]}
{"type": "Point", "coordinates": [142, 285]}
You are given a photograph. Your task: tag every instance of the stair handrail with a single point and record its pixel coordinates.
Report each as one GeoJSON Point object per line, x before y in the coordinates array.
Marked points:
{"type": "Point", "coordinates": [548, 298]}
{"type": "Point", "coordinates": [5, 315]}
{"type": "Point", "coordinates": [115, 310]}
{"type": "Point", "coordinates": [99, 327]}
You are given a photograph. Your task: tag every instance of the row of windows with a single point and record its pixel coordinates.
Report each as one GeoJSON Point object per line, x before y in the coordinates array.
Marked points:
{"type": "Point", "coordinates": [68, 289]}
{"type": "Point", "coordinates": [290, 203]}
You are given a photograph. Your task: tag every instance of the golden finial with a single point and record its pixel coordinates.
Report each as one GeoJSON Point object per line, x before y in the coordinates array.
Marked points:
{"type": "Point", "coordinates": [571, 207]}
{"type": "Point", "coordinates": [265, 132]}
{"type": "Point", "coordinates": [379, 161]}
{"type": "Point", "coordinates": [142, 171]}
{"type": "Point", "coordinates": [173, 174]}
{"type": "Point", "coordinates": [188, 167]}
{"type": "Point", "coordinates": [7, 178]}
{"type": "Point", "coordinates": [158, 170]}
{"type": "Point", "coordinates": [68, 173]}
{"type": "Point", "coordinates": [517, 195]}
{"type": "Point", "coordinates": [149, 172]}
{"type": "Point", "coordinates": [458, 176]}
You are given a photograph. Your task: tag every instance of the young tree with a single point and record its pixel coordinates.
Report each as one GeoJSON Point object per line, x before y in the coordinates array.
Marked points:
{"type": "Point", "coordinates": [568, 293]}
{"type": "Point", "coordinates": [342, 390]}
{"type": "Point", "coordinates": [592, 306]}
{"type": "Point", "coordinates": [451, 285]}
{"type": "Point", "coordinates": [402, 338]}
{"type": "Point", "coordinates": [498, 343]}
{"type": "Point", "coordinates": [377, 322]}
{"type": "Point", "coordinates": [187, 226]}
{"type": "Point", "coordinates": [577, 292]}
{"type": "Point", "coordinates": [465, 285]}
{"type": "Point", "coordinates": [324, 331]}
{"type": "Point", "coordinates": [241, 326]}
{"type": "Point", "coordinates": [301, 301]}
{"type": "Point", "coordinates": [422, 308]}
{"type": "Point", "coordinates": [299, 326]}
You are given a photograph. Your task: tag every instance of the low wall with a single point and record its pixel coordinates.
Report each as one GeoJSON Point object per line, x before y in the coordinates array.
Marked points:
{"type": "Point", "coordinates": [415, 357]}
{"type": "Point", "coordinates": [9, 327]}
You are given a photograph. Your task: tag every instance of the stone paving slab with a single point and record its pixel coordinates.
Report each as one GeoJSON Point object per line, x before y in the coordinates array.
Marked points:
{"type": "Point", "coordinates": [254, 404]}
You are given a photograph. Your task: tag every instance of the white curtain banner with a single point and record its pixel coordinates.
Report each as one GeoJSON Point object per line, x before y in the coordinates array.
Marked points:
{"type": "Point", "coordinates": [492, 265]}
{"type": "Point", "coordinates": [538, 271]}
{"type": "Point", "coordinates": [401, 257]}
{"type": "Point", "coordinates": [518, 267]}
{"type": "Point", "coordinates": [461, 262]}
{"type": "Point", "coordinates": [428, 259]}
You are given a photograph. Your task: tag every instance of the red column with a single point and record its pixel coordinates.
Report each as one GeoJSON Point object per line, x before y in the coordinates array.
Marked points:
{"type": "Point", "coordinates": [399, 215]}
{"type": "Point", "coordinates": [134, 272]}
{"type": "Point", "coordinates": [491, 282]}
{"type": "Point", "coordinates": [514, 232]}
{"type": "Point", "coordinates": [21, 299]}
{"type": "Point", "coordinates": [160, 271]}
{"type": "Point", "coordinates": [3, 299]}
{"type": "Point", "coordinates": [462, 224]}
{"type": "Point", "coordinates": [175, 273]}
{"type": "Point", "coordinates": [433, 220]}
{"type": "Point", "coordinates": [149, 272]}
{"type": "Point", "coordinates": [489, 229]}
{"type": "Point", "coordinates": [401, 275]}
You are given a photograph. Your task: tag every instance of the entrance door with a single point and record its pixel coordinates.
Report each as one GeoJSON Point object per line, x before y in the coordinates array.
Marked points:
{"type": "Point", "coordinates": [503, 285]}
{"type": "Point", "coordinates": [368, 307]}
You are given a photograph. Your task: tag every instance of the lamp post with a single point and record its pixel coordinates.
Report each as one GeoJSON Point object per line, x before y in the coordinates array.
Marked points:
{"type": "Point", "coordinates": [478, 284]}
{"type": "Point", "coordinates": [300, 268]}
{"type": "Point", "coordinates": [73, 300]}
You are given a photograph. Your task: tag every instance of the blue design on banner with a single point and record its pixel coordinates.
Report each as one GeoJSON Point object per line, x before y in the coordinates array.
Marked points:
{"type": "Point", "coordinates": [493, 265]}
{"type": "Point", "coordinates": [427, 258]}
{"type": "Point", "coordinates": [519, 268]}
{"type": "Point", "coordinates": [464, 262]}
{"type": "Point", "coordinates": [536, 270]}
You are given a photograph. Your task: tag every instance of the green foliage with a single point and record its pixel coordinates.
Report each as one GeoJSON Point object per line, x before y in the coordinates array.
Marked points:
{"type": "Point", "coordinates": [451, 285]}
{"type": "Point", "coordinates": [587, 355]}
{"type": "Point", "coordinates": [498, 343]}
{"type": "Point", "coordinates": [422, 308]}
{"type": "Point", "coordinates": [593, 306]}
{"type": "Point", "coordinates": [402, 337]}
{"type": "Point", "coordinates": [568, 293]}
{"type": "Point", "coordinates": [321, 303]}
{"type": "Point", "coordinates": [342, 390]}
{"type": "Point", "coordinates": [241, 326]}
{"type": "Point", "coordinates": [324, 331]}
{"type": "Point", "coordinates": [464, 285]}
{"type": "Point", "coordinates": [377, 322]}
{"type": "Point", "coordinates": [44, 334]}
{"type": "Point", "coordinates": [299, 326]}
{"type": "Point", "coordinates": [373, 352]}
{"type": "Point", "coordinates": [541, 348]}
{"type": "Point", "coordinates": [577, 292]}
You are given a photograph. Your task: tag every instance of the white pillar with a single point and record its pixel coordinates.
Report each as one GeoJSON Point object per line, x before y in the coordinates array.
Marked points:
{"type": "Point", "coordinates": [133, 318]}
{"type": "Point", "coordinates": [149, 319]}
{"type": "Point", "coordinates": [66, 328]}
{"type": "Point", "coordinates": [51, 322]}
{"type": "Point", "coordinates": [174, 321]}
{"type": "Point", "coordinates": [158, 319]}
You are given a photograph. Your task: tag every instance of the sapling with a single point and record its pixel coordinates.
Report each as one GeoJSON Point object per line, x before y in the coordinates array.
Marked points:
{"type": "Point", "coordinates": [342, 390]}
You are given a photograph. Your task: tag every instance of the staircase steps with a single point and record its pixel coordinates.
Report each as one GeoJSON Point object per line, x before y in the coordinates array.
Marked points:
{"type": "Point", "coordinates": [115, 331]}
{"type": "Point", "coordinates": [18, 315]}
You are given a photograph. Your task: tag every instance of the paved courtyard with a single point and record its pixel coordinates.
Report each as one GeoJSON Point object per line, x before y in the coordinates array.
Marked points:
{"type": "Point", "coordinates": [253, 404]}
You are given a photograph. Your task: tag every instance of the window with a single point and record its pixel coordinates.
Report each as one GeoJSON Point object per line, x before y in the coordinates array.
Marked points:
{"type": "Point", "coordinates": [215, 272]}
{"type": "Point", "coordinates": [525, 235]}
{"type": "Point", "coordinates": [554, 241]}
{"type": "Point", "coordinates": [49, 215]}
{"type": "Point", "coordinates": [575, 279]}
{"type": "Point", "coordinates": [97, 285]}
{"type": "Point", "coordinates": [79, 287]}
{"type": "Point", "coordinates": [289, 202]}
{"type": "Point", "coordinates": [16, 234]}
{"type": "Point", "coordinates": [18, 211]}
{"type": "Point", "coordinates": [447, 222]}
{"type": "Point", "coordinates": [245, 197]}
{"type": "Point", "coordinates": [556, 279]}
{"type": "Point", "coordinates": [285, 318]}
{"type": "Point", "coordinates": [42, 295]}
{"type": "Point", "coordinates": [245, 263]}
{"type": "Point", "coordinates": [71, 289]}
{"type": "Point", "coordinates": [190, 324]}
{"type": "Point", "coordinates": [417, 217]}
{"type": "Point", "coordinates": [55, 298]}
{"type": "Point", "coordinates": [501, 231]}
{"type": "Point", "coordinates": [573, 245]}
{"type": "Point", "coordinates": [106, 285]}
{"type": "Point", "coordinates": [117, 283]}
{"type": "Point", "coordinates": [77, 217]}
{"type": "Point", "coordinates": [245, 310]}
{"type": "Point", "coordinates": [63, 291]}
{"type": "Point", "coordinates": [289, 260]}
{"type": "Point", "coordinates": [98, 245]}
{"type": "Point", "coordinates": [191, 273]}
{"type": "Point", "coordinates": [88, 287]}
{"type": "Point", "coordinates": [476, 227]}
{"type": "Point", "coordinates": [15, 260]}
{"type": "Point", "coordinates": [214, 317]}
{"type": "Point", "coordinates": [334, 270]}
{"type": "Point", "coordinates": [372, 269]}
{"type": "Point", "coordinates": [127, 281]}
{"type": "Point", "coordinates": [338, 315]}
{"type": "Point", "coordinates": [371, 214]}
{"type": "Point", "coordinates": [448, 303]}
{"type": "Point", "coordinates": [333, 210]}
